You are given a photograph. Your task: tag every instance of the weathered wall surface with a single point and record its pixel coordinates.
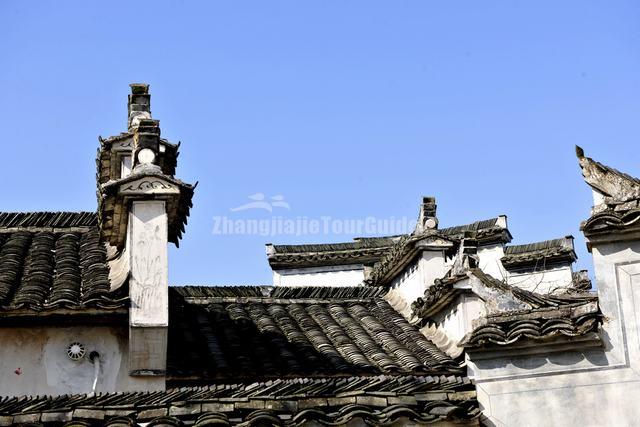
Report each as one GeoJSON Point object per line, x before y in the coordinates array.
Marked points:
{"type": "Point", "coordinates": [420, 275]}
{"type": "Point", "coordinates": [584, 400]}
{"type": "Point", "coordinates": [34, 361]}
{"type": "Point", "coordinates": [588, 387]}
{"type": "Point", "coordinates": [489, 260]}
{"type": "Point", "coordinates": [456, 320]}
{"type": "Point", "coordinates": [542, 282]}
{"type": "Point", "coordinates": [339, 275]}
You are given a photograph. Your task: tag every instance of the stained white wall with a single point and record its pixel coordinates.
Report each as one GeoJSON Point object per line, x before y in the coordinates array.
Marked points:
{"type": "Point", "coordinates": [490, 260]}
{"type": "Point", "coordinates": [418, 276]}
{"type": "Point", "coordinates": [587, 387]}
{"type": "Point", "coordinates": [149, 276]}
{"type": "Point", "coordinates": [456, 320]}
{"type": "Point", "coordinates": [40, 356]}
{"type": "Point", "coordinates": [542, 282]}
{"type": "Point", "coordinates": [335, 275]}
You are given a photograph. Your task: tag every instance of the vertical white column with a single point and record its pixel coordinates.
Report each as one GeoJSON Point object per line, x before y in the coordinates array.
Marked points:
{"type": "Point", "coordinates": [148, 288]}
{"type": "Point", "coordinates": [149, 282]}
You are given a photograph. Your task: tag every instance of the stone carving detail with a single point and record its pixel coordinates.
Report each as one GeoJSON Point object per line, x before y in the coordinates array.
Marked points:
{"type": "Point", "coordinates": [148, 185]}
{"type": "Point", "coordinates": [127, 143]}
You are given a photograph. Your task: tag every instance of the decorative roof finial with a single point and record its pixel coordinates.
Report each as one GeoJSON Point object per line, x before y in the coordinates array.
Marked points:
{"type": "Point", "coordinates": [139, 106]}
{"type": "Point", "coordinates": [427, 219]}
{"type": "Point", "coordinates": [609, 182]}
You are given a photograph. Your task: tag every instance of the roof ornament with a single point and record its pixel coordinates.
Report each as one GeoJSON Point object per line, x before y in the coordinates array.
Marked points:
{"type": "Point", "coordinates": [151, 163]}
{"type": "Point", "coordinates": [427, 219]}
{"type": "Point", "coordinates": [146, 131]}
{"type": "Point", "coordinates": [613, 186]}
{"type": "Point", "coordinates": [139, 105]}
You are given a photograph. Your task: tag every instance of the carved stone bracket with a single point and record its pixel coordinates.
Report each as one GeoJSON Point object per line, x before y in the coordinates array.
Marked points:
{"type": "Point", "coordinates": [148, 185]}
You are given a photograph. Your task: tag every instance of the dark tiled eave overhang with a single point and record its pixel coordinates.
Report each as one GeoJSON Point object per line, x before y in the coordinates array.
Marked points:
{"type": "Point", "coordinates": [377, 400]}
{"type": "Point", "coordinates": [366, 256]}
{"type": "Point", "coordinates": [540, 255]}
{"type": "Point", "coordinates": [65, 317]}
{"type": "Point", "coordinates": [361, 251]}
{"type": "Point", "coordinates": [609, 224]}
{"type": "Point", "coordinates": [268, 294]}
{"type": "Point", "coordinates": [542, 324]}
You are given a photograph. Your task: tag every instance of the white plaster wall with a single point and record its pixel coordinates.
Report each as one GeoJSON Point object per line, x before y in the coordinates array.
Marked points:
{"type": "Point", "coordinates": [149, 281]}
{"type": "Point", "coordinates": [490, 260]}
{"type": "Point", "coordinates": [34, 361]}
{"type": "Point", "coordinates": [587, 387]}
{"type": "Point", "coordinates": [542, 282]}
{"type": "Point", "coordinates": [418, 276]}
{"type": "Point", "coordinates": [456, 320]}
{"type": "Point", "coordinates": [580, 400]}
{"type": "Point", "coordinates": [337, 275]}
{"type": "Point", "coordinates": [408, 283]}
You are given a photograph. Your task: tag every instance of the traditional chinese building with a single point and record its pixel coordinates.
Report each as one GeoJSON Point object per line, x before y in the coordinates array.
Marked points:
{"type": "Point", "coordinates": [443, 326]}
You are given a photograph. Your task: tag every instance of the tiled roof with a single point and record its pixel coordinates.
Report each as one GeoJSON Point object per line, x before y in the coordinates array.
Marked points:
{"type": "Point", "coordinates": [540, 255]}
{"type": "Point", "coordinates": [369, 250]}
{"type": "Point", "coordinates": [265, 332]}
{"type": "Point", "coordinates": [360, 243]}
{"type": "Point", "coordinates": [487, 231]}
{"type": "Point", "coordinates": [47, 219]}
{"type": "Point", "coordinates": [51, 260]}
{"type": "Point", "coordinates": [360, 251]}
{"type": "Point", "coordinates": [611, 220]}
{"type": "Point", "coordinates": [570, 320]}
{"type": "Point", "coordinates": [380, 400]}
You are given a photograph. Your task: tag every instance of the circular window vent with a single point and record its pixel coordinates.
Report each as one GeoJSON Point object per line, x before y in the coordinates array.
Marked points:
{"type": "Point", "coordinates": [75, 351]}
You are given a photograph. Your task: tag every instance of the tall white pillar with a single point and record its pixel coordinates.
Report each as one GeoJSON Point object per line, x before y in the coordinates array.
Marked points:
{"type": "Point", "coordinates": [148, 287]}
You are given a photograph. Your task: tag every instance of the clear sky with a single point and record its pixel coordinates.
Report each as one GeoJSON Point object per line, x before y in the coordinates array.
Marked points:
{"type": "Point", "coordinates": [346, 109]}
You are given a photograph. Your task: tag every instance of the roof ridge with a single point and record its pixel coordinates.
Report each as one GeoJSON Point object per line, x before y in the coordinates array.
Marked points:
{"type": "Point", "coordinates": [561, 242]}
{"type": "Point", "coordinates": [60, 219]}
{"type": "Point", "coordinates": [281, 292]}
{"type": "Point", "coordinates": [476, 225]}
{"type": "Point", "coordinates": [360, 243]}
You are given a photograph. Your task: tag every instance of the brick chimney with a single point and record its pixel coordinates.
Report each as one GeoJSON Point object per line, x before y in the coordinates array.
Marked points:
{"type": "Point", "coordinates": [139, 105]}
{"type": "Point", "coordinates": [427, 219]}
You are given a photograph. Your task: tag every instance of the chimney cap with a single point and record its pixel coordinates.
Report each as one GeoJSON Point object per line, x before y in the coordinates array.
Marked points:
{"type": "Point", "coordinates": [139, 88]}
{"type": "Point", "coordinates": [428, 199]}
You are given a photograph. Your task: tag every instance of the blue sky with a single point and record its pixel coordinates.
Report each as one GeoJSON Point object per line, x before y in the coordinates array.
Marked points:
{"type": "Point", "coordinates": [347, 109]}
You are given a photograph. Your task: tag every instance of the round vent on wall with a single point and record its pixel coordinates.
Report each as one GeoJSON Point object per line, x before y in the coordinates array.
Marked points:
{"type": "Point", "coordinates": [75, 351]}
